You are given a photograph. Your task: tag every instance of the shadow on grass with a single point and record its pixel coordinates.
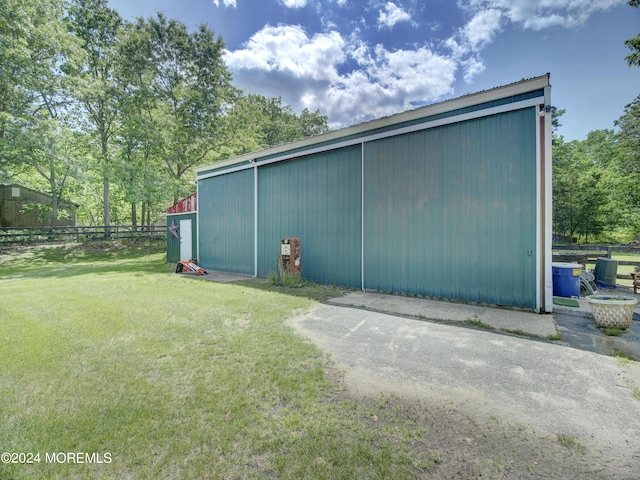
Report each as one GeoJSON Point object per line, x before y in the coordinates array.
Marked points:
{"type": "Point", "coordinates": [73, 259]}
{"type": "Point", "coordinates": [320, 293]}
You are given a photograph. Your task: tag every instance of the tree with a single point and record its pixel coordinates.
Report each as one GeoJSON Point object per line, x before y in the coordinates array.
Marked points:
{"type": "Point", "coordinates": [269, 122]}
{"type": "Point", "coordinates": [33, 46]}
{"type": "Point", "coordinates": [556, 113]}
{"type": "Point", "coordinates": [98, 27]}
{"type": "Point", "coordinates": [53, 154]}
{"type": "Point", "coordinates": [193, 89]}
{"type": "Point", "coordinates": [36, 106]}
{"type": "Point", "coordinates": [581, 202]}
{"type": "Point", "coordinates": [313, 123]}
{"type": "Point", "coordinates": [139, 167]}
{"type": "Point", "coordinates": [633, 44]}
{"type": "Point", "coordinates": [625, 170]}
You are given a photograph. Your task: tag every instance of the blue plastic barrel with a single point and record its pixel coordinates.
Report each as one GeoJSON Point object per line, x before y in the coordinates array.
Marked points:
{"type": "Point", "coordinates": [566, 279]}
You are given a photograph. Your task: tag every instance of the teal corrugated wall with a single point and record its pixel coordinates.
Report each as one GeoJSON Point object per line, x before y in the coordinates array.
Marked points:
{"type": "Point", "coordinates": [451, 211]}
{"type": "Point", "coordinates": [173, 243]}
{"type": "Point", "coordinates": [225, 206]}
{"type": "Point", "coordinates": [317, 199]}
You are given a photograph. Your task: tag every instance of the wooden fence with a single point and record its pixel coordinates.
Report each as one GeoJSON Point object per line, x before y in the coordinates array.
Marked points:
{"type": "Point", "coordinates": [588, 255]}
{"type": "Point", "coordinates": [65, 234]}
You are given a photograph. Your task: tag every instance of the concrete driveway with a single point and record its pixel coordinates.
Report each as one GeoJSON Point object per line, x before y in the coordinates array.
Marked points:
{"type": "Point", "coordinates": [555, 389]}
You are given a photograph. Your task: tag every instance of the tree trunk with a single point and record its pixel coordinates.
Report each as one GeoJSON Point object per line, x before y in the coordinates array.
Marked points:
{"type": "Point", "coordinates": [54, 197]}
{"type": "Point", "coordinates": [134, 215]}
{"type": "Point", "coordinates": [107, 217]}
{"type": "Point", "coordinates": [105, 164]}
{"type": "Point", "coordinates": [144, 211]}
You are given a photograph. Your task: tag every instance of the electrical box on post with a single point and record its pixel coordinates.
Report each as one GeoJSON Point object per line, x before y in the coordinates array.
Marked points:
{"type": "Point", "coordinates": [289, 257]}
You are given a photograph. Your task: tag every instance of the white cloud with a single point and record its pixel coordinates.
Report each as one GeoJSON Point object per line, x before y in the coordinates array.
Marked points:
{"type": "Point", "coordinates": [392, 15]}
{"type": "Point", "coordinates": [294, 3]}
{"type": "Point", "coordinates": [472, 67]}
{"type": "Point", "coordinates": [482, 27]}
{"type": "Point", "coordinates": [311, 72]}
{"type": "Point", "coordinates": [541, 14]}
{"type": "Point", "coordinates": [288, 49]}
{"type": "Point", "coordinates": [226, 3]}
{"type": "Point", "coordinates": [488, 17]}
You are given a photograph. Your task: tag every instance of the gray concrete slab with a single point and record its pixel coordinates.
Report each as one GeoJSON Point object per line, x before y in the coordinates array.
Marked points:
{"type": "Point", "coordinates": [498, 318]}
{"type": "Point", "coordinates": [554, 389]}
{"type": "Point", "coordinates": [221, 277]}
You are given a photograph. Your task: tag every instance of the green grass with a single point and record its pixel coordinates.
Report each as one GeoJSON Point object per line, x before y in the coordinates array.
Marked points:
{"type": "Point", "coordinates": [625, 269]}
{"type": "Point", "coordinates": [474, 322]}
{"type": "Point", "coordinates": [613, 332]}
{"type": "Point", "coordinates": [571, 442]}
{"type": "Point", "coordinates": [104, 351]}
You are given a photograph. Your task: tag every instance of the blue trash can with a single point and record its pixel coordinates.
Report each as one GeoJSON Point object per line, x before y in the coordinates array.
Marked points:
{"type": "Point", "coordinates": [566, 279]}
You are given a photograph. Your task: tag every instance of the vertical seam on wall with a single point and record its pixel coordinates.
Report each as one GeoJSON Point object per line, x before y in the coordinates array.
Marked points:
{"type": "Point", "coordinates": [362, 216]}
{"type": "Point", "coordinates": [255, 220]}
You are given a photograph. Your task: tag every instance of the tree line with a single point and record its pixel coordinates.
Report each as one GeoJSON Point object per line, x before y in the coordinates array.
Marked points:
{"type": "Point", "coordinates": [114, 115]}
{"type": "Point", "coordinates": [596, 182]}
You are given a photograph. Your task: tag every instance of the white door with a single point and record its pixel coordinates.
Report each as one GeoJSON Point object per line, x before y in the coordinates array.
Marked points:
{"type": "Point", "coordinates": [185, 240]}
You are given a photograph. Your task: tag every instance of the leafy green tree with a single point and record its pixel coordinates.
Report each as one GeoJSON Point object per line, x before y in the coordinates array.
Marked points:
{"type": "Point", "coordinates": [624, 174]}
{"type": "Point", "coordinates": [633, 44]}
{"type": "Point", "coordinates": [34, 45]}
{"type": "Point", "coordinates": [267, 122]}
{"type": "Point", "coordinates": [53, 155]}
{"type": "Point", "coordinates": [580, 193]}
{"type": "Point", "coordinates": [140, 170]}
{"type": "Point", "coordinates": [193, 89]}
{"type": "Point", "coordinates": [99, 28]}
{"type": "Point", "coordinates": [37, 137]}
{"type": "Point", "coordinates": [313, 123]}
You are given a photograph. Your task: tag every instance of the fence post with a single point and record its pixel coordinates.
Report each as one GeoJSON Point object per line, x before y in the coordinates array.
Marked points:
{"type": "Point", "coordinates": [609, 252]}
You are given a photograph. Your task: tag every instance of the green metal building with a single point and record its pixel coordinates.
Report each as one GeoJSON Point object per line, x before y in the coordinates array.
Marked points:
{"type": "Point", "coordinates": [451, 200]}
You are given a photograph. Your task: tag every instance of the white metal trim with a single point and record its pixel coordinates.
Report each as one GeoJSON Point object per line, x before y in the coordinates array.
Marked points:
{"type": "Point", "coordinates": [182, 213]}
{"type": "Point", "coordinates": [539, 228]}
{"type": "Point", "coordinates": [548, 168]}
{"type": "Point", "coordinates": [378, 136]}
{"type": "Point", "coordinates": [197, 222]}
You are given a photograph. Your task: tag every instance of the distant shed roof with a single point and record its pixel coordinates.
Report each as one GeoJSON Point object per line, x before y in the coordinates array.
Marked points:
{"type": "Point", "coordinates": [186, 205]}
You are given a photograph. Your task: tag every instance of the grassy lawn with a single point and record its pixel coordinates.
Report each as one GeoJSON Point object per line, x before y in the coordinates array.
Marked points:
{"type": "Point", "coordinates": [109, 358]}
{"type": "Point", "coordinates": [625, 269]}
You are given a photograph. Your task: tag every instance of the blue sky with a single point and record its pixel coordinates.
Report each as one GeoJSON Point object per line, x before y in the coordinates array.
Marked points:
{"type": "Point", "coordinates": [355, 60]}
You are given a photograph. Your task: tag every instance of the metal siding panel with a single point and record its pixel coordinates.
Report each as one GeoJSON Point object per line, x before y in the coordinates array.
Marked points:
{"type": "Point", "coordinates": [450, 211]}
{"type": "Point", "coordinates": [317, 199]}
{"type": "Point", "coordinates": [226, 222]}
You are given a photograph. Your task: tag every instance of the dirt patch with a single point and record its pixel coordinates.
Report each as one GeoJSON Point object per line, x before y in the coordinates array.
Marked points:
{"type": "Point", "coordinates": [468, 443]}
